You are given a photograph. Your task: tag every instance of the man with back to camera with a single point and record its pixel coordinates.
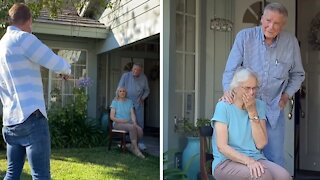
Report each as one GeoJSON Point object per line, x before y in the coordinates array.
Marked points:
{"type": "Point", "coordinates": [25, 126]}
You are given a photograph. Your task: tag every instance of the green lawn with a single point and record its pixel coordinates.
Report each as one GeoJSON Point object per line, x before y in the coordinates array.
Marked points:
{"type": "Point", "coordinates": [95, 163]}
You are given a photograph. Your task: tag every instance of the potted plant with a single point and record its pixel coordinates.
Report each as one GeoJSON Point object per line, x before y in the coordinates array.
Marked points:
{"type": "Point", "coordinates": [171, 170]}
{"type": "Point", "coordinates": [188, 128]}
{"type": "Point", "coordinates": [191, 153]}
{"type": "Point", "coordinates": [204, 126]}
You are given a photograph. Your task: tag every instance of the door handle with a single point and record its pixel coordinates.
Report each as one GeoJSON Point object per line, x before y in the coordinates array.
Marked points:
{"type": "Point", "coordinates": [291, 101]}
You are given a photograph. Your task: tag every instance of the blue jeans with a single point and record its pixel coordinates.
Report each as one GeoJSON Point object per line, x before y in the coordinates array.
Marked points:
{"type": "Point", "coordinates": [32, 139]}
{"type": "Point", "coordinates": [274, 150]}
{"type": "Point", "coordinates": [139, 110]}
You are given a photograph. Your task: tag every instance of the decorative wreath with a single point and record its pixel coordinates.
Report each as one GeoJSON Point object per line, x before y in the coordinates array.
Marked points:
{"type": "Point", "coordinates": [314, 38]}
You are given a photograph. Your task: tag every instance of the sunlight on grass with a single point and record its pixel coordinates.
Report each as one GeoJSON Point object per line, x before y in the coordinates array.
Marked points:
{"type": "Point", "coordinates": [95, 163]}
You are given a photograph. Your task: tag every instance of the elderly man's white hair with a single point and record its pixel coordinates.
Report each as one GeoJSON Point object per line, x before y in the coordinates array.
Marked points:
{"type": "Point", "coordinates": [277, 7]}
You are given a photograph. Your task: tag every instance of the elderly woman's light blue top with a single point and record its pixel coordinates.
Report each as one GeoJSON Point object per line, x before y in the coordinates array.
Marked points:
{"type": "Point", "coordinates": [239, 130]}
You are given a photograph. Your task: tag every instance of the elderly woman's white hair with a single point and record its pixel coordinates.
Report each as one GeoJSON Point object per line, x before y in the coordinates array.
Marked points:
{"type": "Point", "coordinates": [117, 92]}
{"type": "Point", "coordinates": [241, 75]}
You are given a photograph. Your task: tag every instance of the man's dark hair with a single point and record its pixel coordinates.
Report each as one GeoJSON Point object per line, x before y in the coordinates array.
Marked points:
{"type": "Point", "coordinates": [19, 13]}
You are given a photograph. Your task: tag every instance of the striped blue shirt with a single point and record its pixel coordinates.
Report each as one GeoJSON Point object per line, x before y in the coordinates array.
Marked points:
{"type": "Point", "coordinates": [278, 66]}
{"type": "Point", "coordinates": [21, 89]}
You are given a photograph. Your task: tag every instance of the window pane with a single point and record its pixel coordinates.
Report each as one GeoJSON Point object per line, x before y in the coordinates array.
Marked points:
{"type": "Point", "coordinates": [190, 72]}
{"type": "Point", "coordinates": [180, 5]}
{"type": "Point", "coordinates": [189, 106]}
{"type": "Point", "coordinates": [72, 56]}
{"type": "Point", "coordinates": [179, 71]}
{"type": "Point", "coordinates": [190, 34]}
{"type": "Point", "coordinates": [191, 6]}
{"type": "Point", "coordinates": [56, 83]}
{"type": "Point", "coordinates": [78, 61]}
{"type": "Point", "coordinates": [68, 86]}
{"type": "Point", "coordinates": [82, 58]}
{"type": "Point", "coordinates": [179, 32]}
{"type": "Point", "coordinates": [179, 102]}
{"type": "Point", "coordinates": [79, 71]}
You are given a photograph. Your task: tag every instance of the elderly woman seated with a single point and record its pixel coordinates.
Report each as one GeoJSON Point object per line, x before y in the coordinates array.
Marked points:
{"type": "Point", "coordinates": [124, 118]}
{"type": "Point", "coordinates": [240, 134]}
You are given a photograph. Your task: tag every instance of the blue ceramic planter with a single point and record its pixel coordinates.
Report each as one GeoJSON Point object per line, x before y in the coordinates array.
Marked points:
{"type": "Point", "coordinates": [191, 156]}
{"type": "Point", "coordinates": [104, 121]}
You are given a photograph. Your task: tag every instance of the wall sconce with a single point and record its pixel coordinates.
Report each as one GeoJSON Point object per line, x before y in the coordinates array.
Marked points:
{"type": "Point", "coordinates": [220, 24]}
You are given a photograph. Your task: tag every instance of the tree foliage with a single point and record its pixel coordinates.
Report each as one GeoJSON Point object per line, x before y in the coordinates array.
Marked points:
{"type": "Point", "coordinates": [53, 6]}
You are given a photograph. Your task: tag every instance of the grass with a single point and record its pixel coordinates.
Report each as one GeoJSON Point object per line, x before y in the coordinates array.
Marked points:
{"type": "Point", "coordinates": [94, 163]}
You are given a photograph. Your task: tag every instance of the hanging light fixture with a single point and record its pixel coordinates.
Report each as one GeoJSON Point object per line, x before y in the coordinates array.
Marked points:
{"type": "Point", "coordinates": [220, 24]}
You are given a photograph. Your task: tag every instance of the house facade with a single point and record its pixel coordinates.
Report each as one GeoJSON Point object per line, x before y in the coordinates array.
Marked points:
{"type": "Point", "coordinates": [184, 41]}
{"type": "Point", "coordinates": [100, 49]}
{"type": "Point", "coordinates": [196, 39]}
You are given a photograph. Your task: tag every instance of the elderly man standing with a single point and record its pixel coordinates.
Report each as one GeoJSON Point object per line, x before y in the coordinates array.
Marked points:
{"type": "Point", "coordinates": [274, 55]}
{"type": "Point", "coordinates": [138, 90]}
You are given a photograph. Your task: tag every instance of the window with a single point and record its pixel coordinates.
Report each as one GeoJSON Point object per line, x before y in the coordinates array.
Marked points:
{"type": "Point", "coordinates": [53, 83]}
{"type": "Point", "coordinates": [185, 62]}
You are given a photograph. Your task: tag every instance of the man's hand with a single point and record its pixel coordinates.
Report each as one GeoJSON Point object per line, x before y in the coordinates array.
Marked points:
{"type": "Point", "coordinates": [64, 76]}
{"type": "Point", "coordinates": [227, 96]}
{"type": "Point", "coordinates": [283, 100]}
{"type": "Point", "coordinates": [141, 101]}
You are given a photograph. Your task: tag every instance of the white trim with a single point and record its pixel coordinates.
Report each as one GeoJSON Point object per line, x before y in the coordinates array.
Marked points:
{"type": "Point", "coordinates": [161, 89]}
{"type": "Point", "coordinates": [68, 30]}
{"type": "Point", "coordinates": [197, 63]}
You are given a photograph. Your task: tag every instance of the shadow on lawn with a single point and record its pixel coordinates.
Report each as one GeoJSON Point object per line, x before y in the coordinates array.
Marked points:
{"type": "Point", "coordinates": [97, 155]}
{"type": "Point", "coordinates": [124, 164]}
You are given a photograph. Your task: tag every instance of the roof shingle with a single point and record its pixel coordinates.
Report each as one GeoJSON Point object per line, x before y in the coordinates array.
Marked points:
{"type": "Point", "coordinates": [69, 17]}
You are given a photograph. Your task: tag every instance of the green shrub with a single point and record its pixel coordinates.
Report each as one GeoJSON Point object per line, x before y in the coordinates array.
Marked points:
{"type": "Point", "coordinates": [70, 126]}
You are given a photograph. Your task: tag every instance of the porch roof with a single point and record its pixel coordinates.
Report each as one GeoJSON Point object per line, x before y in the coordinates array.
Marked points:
{"type": "Point", "coordinates": [69, 23]}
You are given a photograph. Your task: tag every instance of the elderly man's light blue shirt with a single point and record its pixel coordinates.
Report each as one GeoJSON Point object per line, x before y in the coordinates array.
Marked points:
{"type": "Point", "coordinates": [21, 89]}
{"type": "Point", "coordinates": [137, 87]}
{"type": "Point", "coordinates": [278, 66]}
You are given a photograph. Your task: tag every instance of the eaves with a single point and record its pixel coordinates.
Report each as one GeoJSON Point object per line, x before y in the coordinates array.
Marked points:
{"type": "Point", "coordinates": [73, 29]}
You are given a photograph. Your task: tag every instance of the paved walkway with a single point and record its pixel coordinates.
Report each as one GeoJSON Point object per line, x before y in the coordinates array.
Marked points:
{"type": "Point", "coordinates": [153, 145]}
